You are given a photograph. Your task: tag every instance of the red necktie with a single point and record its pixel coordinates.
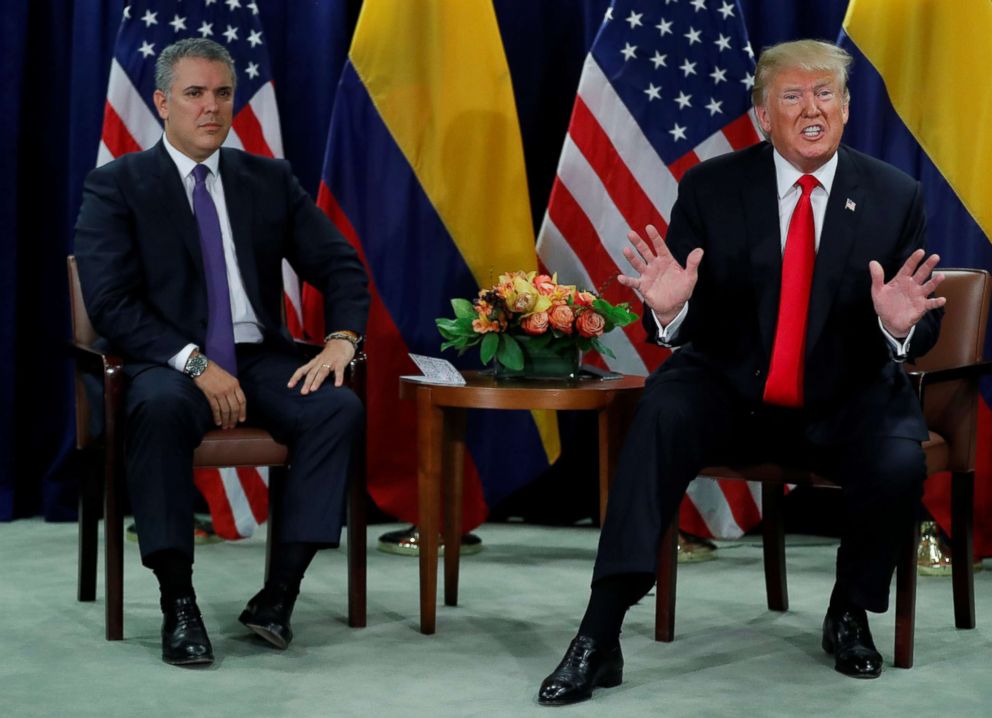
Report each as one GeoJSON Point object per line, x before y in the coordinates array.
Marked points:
{"type": "Point", "coordinates": [784, 386]}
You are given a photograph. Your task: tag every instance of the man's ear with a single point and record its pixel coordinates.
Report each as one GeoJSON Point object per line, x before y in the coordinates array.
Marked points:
{"type": "Point", "coordinates": [763, 118]}
{"type": "Point", "coordinates": [161, 104]}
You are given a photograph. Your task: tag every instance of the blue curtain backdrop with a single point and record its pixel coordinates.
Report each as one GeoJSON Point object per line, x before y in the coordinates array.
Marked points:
{"type": "Point", "coordinates": [55, 58]}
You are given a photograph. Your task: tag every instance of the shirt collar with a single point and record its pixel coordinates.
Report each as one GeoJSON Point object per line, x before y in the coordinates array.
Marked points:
{"type": "Point", "coordinates": [186, 164]}
{"type": "Point", "coordinates": [787, 175]}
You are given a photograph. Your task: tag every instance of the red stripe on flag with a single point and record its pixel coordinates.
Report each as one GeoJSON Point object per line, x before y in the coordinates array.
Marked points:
{"type": "Point", "coordinates": [682, 165]}
{"type": "Point", "coordinates": [620, 183]}
{"type": "Point", "coordinates": [249, 131]}
{"type": "Point", "coordinates": [391, 445]}
{"type": "Point", "coordinates": [741, 133]}
{"type": "Point", "coordinates": [209, 483]}
{"type": "Point", "coordinates": [584, 241]}
{"type": "Point", "coordinates": [742, 505]}
{"type": "Point", "coordinates": [256, 492]}
{"type": "Point", "coordinates": [115, 134]}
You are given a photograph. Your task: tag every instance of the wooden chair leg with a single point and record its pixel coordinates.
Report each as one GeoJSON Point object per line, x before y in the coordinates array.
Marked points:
{"type": "Point", "coordinates": [773, 545]}
{"type": "Point", "coordinates": [113, 539]}
{"type": "Point", "coordinates": [906, 600]}
{"type": "Point", "coordinates": [90, 495]}
{"type": "Point", "coordinates": [668, 554]}
{"type": "Point", "coordinates": [357, 539]}
{"type": "Point", "coordinates": [962, 548]}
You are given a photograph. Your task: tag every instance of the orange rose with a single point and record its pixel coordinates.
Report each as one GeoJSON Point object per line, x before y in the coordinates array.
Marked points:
{"type": "Point", "coordinates": [544, 284]}
{"type": "Point", "coordinates": [584, 299]}
{"type": "Point", "coordinates": [534, 324]}
{"type": "Point", "coordinates": [590, 324]}
{"type": "Point", "coordinates": [561, 317]}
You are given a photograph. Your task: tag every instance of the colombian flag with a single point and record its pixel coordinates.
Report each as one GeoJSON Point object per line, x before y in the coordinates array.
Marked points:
{"type": "Point", "coordinates": [424, 174]}
{"type": "Point", "coordinates": [921, 100]}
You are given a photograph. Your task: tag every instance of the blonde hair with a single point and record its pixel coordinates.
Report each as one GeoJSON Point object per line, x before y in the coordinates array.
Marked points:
{"type": "Point", "coordinates": [810, 55]}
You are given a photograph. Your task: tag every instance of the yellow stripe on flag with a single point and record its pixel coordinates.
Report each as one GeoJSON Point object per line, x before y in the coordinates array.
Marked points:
{"type": "Point", "coordinates": [437, 74]}
{"type": "Point", "coordinates": [934, 56]}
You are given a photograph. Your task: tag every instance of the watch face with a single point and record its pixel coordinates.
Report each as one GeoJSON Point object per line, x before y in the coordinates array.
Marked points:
{"type": "Point", "coordinates": [196, 365]}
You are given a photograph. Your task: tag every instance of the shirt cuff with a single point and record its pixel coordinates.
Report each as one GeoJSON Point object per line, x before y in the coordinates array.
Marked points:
{"type": "Point", "coordinates": [900, 347]}
{"type": "Point", "coordinates": [178, 360]}
{"type": "Point", "coordinates": [667, 335]}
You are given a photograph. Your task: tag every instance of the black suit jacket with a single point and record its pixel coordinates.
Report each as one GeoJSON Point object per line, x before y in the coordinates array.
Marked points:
{"type": "Point", "coordinates": [141, 268]}
{"type": "Point", "coordinates": [729, 207]}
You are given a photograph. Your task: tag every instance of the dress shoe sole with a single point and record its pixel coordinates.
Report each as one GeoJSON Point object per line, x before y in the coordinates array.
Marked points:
{"type": "Point", "coordinates": [192, 661]}
{"type": "Point", "coordinates": [266, 632]}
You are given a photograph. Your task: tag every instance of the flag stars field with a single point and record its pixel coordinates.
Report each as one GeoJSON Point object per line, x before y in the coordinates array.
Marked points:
{"type": "Point", "coordinates": [664, 27]}
{"type": "Point", "coordinates": [683, 100]}
{"type": "Point", "coordinates": [629, 51]}
{"type": "Point", "coordinates": [634, 19]}
{"type": "Point", "coordinates": [692, 36]}
{"type": "Point", "coordinates": [723, 42]}
{"type": "Point", "coordinates": [653, 93]}
{"type": "Point", "coordinates": [727, 10]}
{"type": "Point", "coordinates": [178, 23]}
{"type": "Point", "coordinates": [688, 68]}
{"type": "Point", "coordinates": [206, 29]}
{"type": "Point", "coordinates": [659, 60]}
{"type": "Point", "coordinates": [147, 49]}
{"type": "Point", "coordinates": [149, 18]}
{"type": "Point", "coordinates": [231, 33]}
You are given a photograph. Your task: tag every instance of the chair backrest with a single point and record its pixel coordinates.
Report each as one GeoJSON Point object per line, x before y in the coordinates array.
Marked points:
{"type": "Point", "coordinates": [951, 408]}
{"type": "Point", "coordinates": [82, 333]}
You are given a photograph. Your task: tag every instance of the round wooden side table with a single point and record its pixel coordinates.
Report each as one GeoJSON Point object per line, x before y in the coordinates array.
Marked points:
{"type": "Point", "coordinates": [441, 410]}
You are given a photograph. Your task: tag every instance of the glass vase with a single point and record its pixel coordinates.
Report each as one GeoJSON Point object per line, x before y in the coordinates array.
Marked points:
{"type": "Point", "coordinates": [550, 361]}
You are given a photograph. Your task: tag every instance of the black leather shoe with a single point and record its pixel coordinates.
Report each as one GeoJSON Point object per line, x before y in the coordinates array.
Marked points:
{"type": "Point", "coordinates": [268, 613]}
{"type": "Point", "coordinates": [846, 636]}
{"type": "Point", "coordinates": [184, 637]}
{"type": "Point", "coordinates": [584, 667]}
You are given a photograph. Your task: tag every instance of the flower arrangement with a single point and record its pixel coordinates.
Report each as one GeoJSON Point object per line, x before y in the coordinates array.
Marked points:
{"type": "Point", "coordinates": [527, 315]}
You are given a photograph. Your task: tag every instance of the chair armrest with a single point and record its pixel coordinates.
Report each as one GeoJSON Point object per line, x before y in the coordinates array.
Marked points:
{"type": "Point", "coordinates": [93, 360]}
{"type": "Point", "coordinates": [922, 379]}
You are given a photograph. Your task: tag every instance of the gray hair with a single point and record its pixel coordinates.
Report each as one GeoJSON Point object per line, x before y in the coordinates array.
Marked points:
{"type": "Point", "coordinates": [810, 55]}
{"type": "Point", "coordinates": [198, 47]}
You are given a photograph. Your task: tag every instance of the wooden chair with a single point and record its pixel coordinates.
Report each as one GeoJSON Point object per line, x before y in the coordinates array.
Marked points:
{"type": "Point", "coordinates": [242, 446]}
{"type": "Point", "coordinates": [947, 381]}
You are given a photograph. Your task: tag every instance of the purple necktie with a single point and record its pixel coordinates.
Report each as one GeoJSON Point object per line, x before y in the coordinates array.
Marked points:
{"type": "Point", "coordinates": [220, 329]}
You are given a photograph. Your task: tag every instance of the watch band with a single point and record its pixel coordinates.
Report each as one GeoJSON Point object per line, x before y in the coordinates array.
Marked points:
{"type": "Point", "coordinates": [346, 335]}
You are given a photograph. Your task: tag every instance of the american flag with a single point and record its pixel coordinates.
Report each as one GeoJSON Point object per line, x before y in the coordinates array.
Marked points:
{"type": "Point", "coordinates": [238, 498]}
{"type": "Point", "coordinates": [666, 85]}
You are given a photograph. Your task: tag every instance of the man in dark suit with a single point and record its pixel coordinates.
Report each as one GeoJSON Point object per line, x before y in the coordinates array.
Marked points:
{"type": "Point", "coordinates": [771, 283]}
{"type": "Point", "coordinates": [180, 250]}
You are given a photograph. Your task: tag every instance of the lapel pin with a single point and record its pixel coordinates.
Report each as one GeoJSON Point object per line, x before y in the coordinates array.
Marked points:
{"type": "Point", "coordinates": [849, 204]}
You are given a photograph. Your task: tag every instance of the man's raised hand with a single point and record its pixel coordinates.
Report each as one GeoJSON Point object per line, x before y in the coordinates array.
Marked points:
{"type": "Point", "coordinates": [902, 301]}
{"type": "Point", "coordinates": [663, 283]}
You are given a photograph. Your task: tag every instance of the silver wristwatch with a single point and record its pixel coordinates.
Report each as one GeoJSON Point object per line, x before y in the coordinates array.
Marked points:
{"type": "Point", "coordinates": [195, 365]}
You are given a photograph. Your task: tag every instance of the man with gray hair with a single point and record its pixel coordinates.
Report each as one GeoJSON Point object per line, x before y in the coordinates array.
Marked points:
{"type": "Point", "coordinates": [772, 283]}
{"type": "Point", "coordinates": [179, 250]}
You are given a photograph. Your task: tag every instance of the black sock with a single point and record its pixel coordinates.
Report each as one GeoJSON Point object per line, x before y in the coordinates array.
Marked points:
{"type": "Point", "coordinates": [289, 563]}
{"type": "Point", "coordinates": [608, 604]}
{"type": "Point", "coordinates": [174, 571]}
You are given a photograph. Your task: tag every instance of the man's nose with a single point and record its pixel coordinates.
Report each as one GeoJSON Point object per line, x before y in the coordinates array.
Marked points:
{"type": "Point", "coordinates": [810, 106]}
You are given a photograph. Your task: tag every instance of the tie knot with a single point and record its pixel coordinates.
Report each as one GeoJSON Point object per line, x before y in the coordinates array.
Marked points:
{"type": "Point", "coordinates": [806, 183]}
{"type": "Point", "coordinates": [200, 173]}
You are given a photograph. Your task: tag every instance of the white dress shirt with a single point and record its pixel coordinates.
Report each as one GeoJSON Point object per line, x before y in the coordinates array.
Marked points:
{"type": "Point", "coordinates": [788, 197]}
{"type": "Point", "coordinates": [246, 327]}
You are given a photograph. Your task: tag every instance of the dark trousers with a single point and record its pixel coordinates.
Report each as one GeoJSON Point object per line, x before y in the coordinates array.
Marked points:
{"type": "Point", "coordinates": [167, 416]}
{"type": "Point", "coordinates": [686, 421]}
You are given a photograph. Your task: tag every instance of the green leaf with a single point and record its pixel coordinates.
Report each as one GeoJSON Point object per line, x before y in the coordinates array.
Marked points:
{"type": "Point", "coordinates": [509, 353]}
{"type": "Point", "coordinates": [490, 343]}
{"type": "Point", "coordinates": [620, 315]}
{"type": "Point", "coordinates": [463, 308]}
{"type": "Point", "coordinates": [450, 325]}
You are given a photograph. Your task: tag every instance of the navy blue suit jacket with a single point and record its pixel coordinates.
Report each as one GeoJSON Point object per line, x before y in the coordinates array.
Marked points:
{"type": "Point", "coordinates": [141, 268]}
{"type": "Point", "coordinates": [729, 207]}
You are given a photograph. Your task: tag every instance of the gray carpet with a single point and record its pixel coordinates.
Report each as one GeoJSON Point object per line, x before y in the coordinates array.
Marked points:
{"type": "Point", "coordinates": [521, 599]}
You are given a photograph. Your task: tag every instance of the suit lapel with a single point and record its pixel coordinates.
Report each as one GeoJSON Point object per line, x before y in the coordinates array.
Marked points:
{"type": "Point", "coordinates": [238, 197]}
{"type": "Point", "coordinates": [760, 201]}
{"type": "Point", "coordinates": [170, 196]}
{"type": "Point", "coordinates": [836, 242]}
